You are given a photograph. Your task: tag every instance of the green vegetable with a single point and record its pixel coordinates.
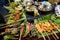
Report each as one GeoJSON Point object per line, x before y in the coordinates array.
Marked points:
{"type": "Point", "coordinates": [10, 21]}
{"type": "Point", "coordinates": [11, 17]}
{"type": "Point", "coordinates": [12, 4]}
{"type": "Point", "coordinates": [53, 17]}
{"type": "Point", "coordinates": [43, 19]}
{"type": "Point", "coordinates": [11, 10]}
{"type": "Point", "coordinates": [47, 17]}
{"type": "Point", "coordinates": [38, 35]}
{"type": "Point", "coordinates": [57, 22]}
{"type": "Point", "coordinates": [23, 13]}
{"type": "Point", "coordinates": [26, 31]}
{"type": "Point", "coordinates": [8, 36]}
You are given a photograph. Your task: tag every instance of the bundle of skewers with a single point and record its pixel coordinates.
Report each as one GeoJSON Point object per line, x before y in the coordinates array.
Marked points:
{"type": "Point", "coordinates": [47, 27]}
{"type": "Point", "coordinates": [15, 22]}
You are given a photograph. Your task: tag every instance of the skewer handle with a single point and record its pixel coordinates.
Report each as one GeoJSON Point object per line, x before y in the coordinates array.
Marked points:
{"type": "Point", "coordinates": [56, 35]}
{"type": "Point", "coordinates": [47, 36]}
{"type": "Point", "coordinates": [43, 36]}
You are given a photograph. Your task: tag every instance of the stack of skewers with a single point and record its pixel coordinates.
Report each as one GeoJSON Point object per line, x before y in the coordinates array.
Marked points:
{"type": "Point", "coordinates": [47, 27]}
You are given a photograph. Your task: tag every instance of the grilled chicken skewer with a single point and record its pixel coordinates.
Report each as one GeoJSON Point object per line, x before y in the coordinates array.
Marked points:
{"type": "Point", "coordinates": [51, 28]}
{"type": "Point", "coordinates": [55, 28]}
{"type": "Point", "coordinates": [40, 30]}
{"type": "Point", "coordinates": [49, 25]}
{"type": "Point", "coordinates": [46, 33]}
{"type": "Point", "coordinates": [55, 34]}
{"type": "Point", "coordinates": [44, 29]}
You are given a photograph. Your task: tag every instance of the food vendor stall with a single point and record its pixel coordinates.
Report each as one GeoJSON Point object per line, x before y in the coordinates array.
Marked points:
{"type": "Point", "coordinates": [31, 20]}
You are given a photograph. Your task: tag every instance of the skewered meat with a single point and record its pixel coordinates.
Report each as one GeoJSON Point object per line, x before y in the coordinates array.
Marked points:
{"type": "Point", "coordinates": [38, 28]}
{"type": "Point", "coordinates": [46, 26]}
{"type": "Point", "coordinates": [16, 15]}
{"type": "Point", "coordinates": [55, 26]}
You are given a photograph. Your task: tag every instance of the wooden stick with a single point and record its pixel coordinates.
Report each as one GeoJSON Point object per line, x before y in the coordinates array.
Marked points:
{"type": "Point", "coordinates": [52, 30]}
{"type": "Point", "coordinates": [47, 36]}
{"type": "Point", "coordinates": [54, 37]}
{"type": "Point", "coordinates": [55, 34]}
{"type": "Point", "coordinates": [43, 36]}
{"type": "Point", "coordinates": [40, 32]}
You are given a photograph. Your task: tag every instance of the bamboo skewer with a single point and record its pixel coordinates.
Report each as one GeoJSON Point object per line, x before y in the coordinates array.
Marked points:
{"type": "Point", "coordinates": [54, 37]}
{"type": "Point", "coordinates": [56, 26]}
{"type": "Point", "coordinates": [38, 28]}
{"type": "Point", "coordinates": [55, 34]}
{"type": "Point", "coordinates": [43, 36]}
{"type": "Point", "coordinates": [52, 30]}
{"type": "Point", "coordinates": [47, 36]}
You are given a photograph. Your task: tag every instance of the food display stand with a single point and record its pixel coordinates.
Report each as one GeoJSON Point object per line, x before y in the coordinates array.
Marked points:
{"type": "Point", "coordinates": [31, 20]}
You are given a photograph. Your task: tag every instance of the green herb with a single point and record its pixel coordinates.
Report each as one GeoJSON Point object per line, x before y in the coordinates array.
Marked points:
{"type": "Point", "coordinates": [10, 21]}
{"type": "Point", "coordinates": [53, 17]}
{"type": "Point", "coordinates": [11, 10]}
{"type": "Point", "coordinates": [57, 21]}
{"type": "Point", "coordinates": [12, 4]}
{"type": "Point", "coordinates": [8, 36]}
